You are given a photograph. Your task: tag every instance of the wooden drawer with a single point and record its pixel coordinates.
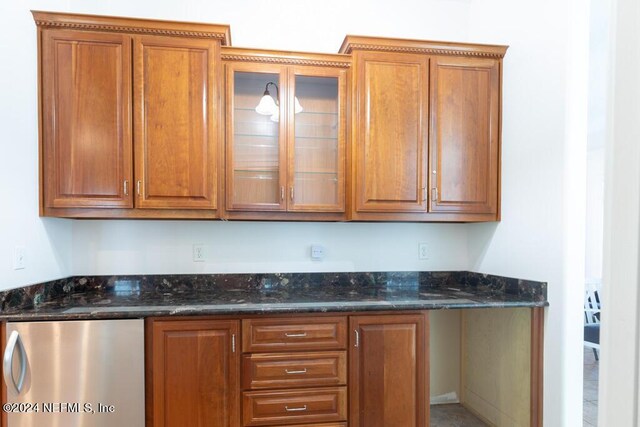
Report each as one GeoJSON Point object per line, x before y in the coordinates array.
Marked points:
{"type": "Point", "coordinates": [316, 405]}
{"type": "Point", "coordinates": [289, 370]}
{"type": "Point", "coordinates": [298, 333]}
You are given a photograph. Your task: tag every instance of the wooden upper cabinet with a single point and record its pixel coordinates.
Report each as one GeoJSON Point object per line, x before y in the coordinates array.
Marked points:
{"type": "Point", "coordinates": [391, 122]}
{"type": "Point", "coordinates": [465, 135]}
{"type": "Point", "coordinates": [129, 118]}
{"type": "Point", "coordinates": [290, 155]}
{"type": "Point", "coordinates": [388, 371]}
{"type": "Point", "coordinates": [86, 128]}
{"type": "Point", "coordinates": [176, 115]}
{"type": "Point", "coordinates": [193, 373]}
{"type": "Point", "coordinates": [426, 130]}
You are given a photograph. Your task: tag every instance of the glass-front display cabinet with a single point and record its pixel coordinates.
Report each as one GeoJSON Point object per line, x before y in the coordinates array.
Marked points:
{"type": "Point", "coordinates": [286, 138]}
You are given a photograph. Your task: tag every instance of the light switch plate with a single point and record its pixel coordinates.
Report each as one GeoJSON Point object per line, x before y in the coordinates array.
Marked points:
{"type": "Point", "coordinates": [19, 258]}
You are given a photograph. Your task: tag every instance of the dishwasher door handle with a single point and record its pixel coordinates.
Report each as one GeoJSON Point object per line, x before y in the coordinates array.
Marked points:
{"type": "Point", "coordinates": [7, 363]}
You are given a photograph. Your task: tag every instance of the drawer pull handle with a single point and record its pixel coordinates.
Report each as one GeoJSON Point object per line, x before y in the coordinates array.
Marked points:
{"type": "Point", "coordinates": [302, 335]}
{"type": "Point", "coordinates": [302, 371]}
{"type": "Point", "coordinates": [302, 408]}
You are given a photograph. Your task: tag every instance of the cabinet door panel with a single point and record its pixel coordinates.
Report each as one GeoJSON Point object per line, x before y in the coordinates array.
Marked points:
{"type": "Point", "coordinates": [86, 90]}
{"type": "Point", "coordinates": [195, 373]}
{"type": "Point", "coordinates": [256, 149]}
{"type": "Point", "coordinates": [176, 130]}
{"type": "Point", "coordinates": [464, 135]}
{"type": "Point", "coordinates": [317, 139]}
{"type": "Point", "coordinates": [388, 371]}
{"type": "Point", "coordinates": [391, 142]}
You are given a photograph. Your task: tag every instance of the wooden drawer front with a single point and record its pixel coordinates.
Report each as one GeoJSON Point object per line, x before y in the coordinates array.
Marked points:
{"type": "Point", "coordinates": [301, 333]}
{"type": "Point", "coordinates": [317, 405]}
{"type": "Point", "coordinates": [328, 368]}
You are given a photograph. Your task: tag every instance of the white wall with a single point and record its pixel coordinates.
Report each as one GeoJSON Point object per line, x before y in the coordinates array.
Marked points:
{"type": "Point", "coordinates": [144, 247]}
{"type": "Point", "coordinates": [541, 235]}
{"type": "Point", "coordinates": [619, 395]}
{"type": "Point", "coordinates": [47, 242]}
{"type": "Point", "coordinates": [599, 51]}
{"type": "Point", "coordinates": [594, 214]}
{"type": "Point", "coordinates": [532, 241]}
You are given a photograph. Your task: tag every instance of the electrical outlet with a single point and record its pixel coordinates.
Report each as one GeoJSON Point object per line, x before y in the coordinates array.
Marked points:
{"type": "Point", "coordinates": [423, 251]}
{"type": "Point", "coordinates": [317, 252]}
{"type": "Point", "coordinates": [198, 253]}
{"type": "Point", "coordinates": [19, 258]}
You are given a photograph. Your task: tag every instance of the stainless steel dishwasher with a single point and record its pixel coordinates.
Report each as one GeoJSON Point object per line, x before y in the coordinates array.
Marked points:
{"type": "Point", "coordinates": [75, 373]}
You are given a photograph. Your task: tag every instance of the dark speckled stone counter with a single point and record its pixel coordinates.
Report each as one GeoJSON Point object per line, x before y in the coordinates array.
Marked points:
{"type": "Point", "coordinates": [95, 297]}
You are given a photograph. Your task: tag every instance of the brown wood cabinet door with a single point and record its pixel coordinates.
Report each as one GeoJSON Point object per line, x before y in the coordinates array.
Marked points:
{"type": "Point", "coordinates": [465, 135]}
{"type": "Point", "coordinates": [256, 148]}
{"type": "Point", "coordinates": [86, 101]}
{"type": "Point", "coordinates": [194, 373]}
{"type": "Point", "coordinates": [388, 371]}
{"type": "Point", "coordinates": [391, 132]}
{"type": "Point", "coordinates": [176, 115]}
{"type": "Point", "coordinates": [316, 141]}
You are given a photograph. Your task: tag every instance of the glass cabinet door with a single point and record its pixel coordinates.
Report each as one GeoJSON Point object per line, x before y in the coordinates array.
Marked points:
{"type": "Point", "coordinates": [255, 132]}
{"type": "Point", "coordinates": [317, 139]}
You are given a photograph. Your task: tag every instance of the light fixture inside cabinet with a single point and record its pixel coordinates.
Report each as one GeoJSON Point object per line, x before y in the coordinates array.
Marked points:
{"type": "Point", "coordinates": [270, 107]}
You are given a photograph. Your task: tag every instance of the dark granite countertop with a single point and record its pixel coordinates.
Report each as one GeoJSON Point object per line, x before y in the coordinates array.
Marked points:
{"type": "Point", "coordinates": [93, 297]}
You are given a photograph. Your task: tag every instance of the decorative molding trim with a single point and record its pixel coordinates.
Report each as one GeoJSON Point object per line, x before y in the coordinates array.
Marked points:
{"type": "Point", "coordinates": [423, 50]}
{"type": "Point", "coordinates": [291, 61]}
{"type": "Point", "coordinates": [129, 29]}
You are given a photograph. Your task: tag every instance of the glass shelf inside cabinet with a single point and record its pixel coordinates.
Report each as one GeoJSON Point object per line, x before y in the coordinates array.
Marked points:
{"type": "Point", "coordinates": [256, 142]}
{"type": "Point", "coordinates": [316, 141]}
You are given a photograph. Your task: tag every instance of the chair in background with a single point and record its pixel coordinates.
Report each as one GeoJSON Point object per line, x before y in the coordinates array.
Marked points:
{"type": "Point", "coordinates": [592, 307]}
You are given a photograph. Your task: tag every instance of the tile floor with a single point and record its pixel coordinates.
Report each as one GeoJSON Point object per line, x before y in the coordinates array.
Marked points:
{"type": "Point", "coordinates": [453, 416]}
{"type": "Point", "coordinates": [590, 397]}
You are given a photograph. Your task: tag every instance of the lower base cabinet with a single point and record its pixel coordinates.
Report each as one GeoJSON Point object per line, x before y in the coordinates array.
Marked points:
{"type": "Point", "coordinates": [388, 371]}
{"type": "Point", "coordinates": [294, 371]}
{"type": "Point", "coordinates": [193, 373]}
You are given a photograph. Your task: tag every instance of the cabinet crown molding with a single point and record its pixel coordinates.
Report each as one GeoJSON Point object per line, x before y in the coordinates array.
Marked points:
{"type": "Point", "coordinates": [353, 43]}
{"type": "Point", "coordinates": [132, 25]}
{"type": "Point", "coordinates": [285, 57]}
